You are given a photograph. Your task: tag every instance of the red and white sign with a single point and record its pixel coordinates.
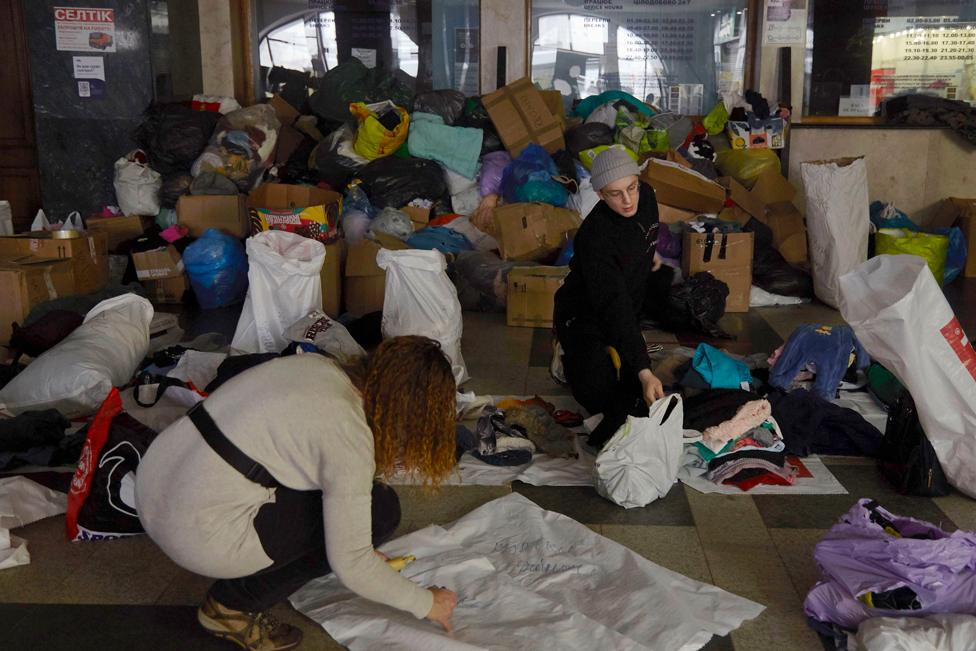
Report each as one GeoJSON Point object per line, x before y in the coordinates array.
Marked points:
{"type": "Point", "coordinates": [84, 29]}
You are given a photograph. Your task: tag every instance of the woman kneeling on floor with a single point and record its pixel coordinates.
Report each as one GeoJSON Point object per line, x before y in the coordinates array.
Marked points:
{"type": "Point", "coordinates": [269, 483]}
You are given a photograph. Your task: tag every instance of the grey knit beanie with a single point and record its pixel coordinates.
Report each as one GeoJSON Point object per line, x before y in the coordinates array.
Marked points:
{"type": "Point", "coordinates": [611, 165]}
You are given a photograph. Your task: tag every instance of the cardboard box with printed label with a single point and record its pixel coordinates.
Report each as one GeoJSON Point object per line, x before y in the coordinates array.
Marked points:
{"type": "Point", "coordinates": [728, 257]}
{"type": "Point", "coordinates": [364, 283]}
{"type": "Point", "coordinates": [164, 262]}
{"type": "Point", "coordinates": [678, 186]}
{"type": "Point", "coordinates": [532, 231]}
{"type": "Point", "coordinates": [531, 295]}
{"type": "Point", "coordinates": [757, 134]}
{"type": "Point", "coordinates": [29, 281]}
{"type": "Point", "coordinates": [88, 255]}
{"type": "Point", "coordinates": [227, 213]}
{"type": "Point", "coordinates": [521, 116]}
{"type": "Point", "coordinates": [956, 211]}
{"type": "Point", "coordinates": [118, 230]}
{"type": "Point", "coordinates": [335, 255]}
{"type": "Point", "coordinates": [167, 290]}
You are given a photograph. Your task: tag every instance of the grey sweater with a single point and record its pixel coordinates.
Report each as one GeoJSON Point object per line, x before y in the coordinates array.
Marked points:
{"type": "Point", "coordinates": [302, 419]}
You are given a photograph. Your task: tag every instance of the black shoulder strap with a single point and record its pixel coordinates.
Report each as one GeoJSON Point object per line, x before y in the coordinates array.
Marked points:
{"type": "Point", "coordinates": [229, 452]}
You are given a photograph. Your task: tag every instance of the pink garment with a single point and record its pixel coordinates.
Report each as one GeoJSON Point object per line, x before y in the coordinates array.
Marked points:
{"type": "Point", "coordinates": [174, 232]}
{"type": "Point", "coordinates": [750, 416]}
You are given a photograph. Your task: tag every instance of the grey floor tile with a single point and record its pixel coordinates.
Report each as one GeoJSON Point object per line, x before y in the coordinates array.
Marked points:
{"type": "Point", "coordinates": [723, 643]}
{"type": "Point", "coordinates": [496, 379]}
{"type": "Point", "coordinates": [541, 351]}
{"type": "Point", "coordinates": [822, 511]}
{"type": "Point", "coordinates": [785, 319]}
{"type": "Point", "coordinates": [53, 560]}
{"type": "Point", "coordinates": [583, 504]}
{"type": "Point", "coordinates": [538, 382]}
{"type": "Point", "coordinates": [676, 548]}
{"type": "Point", "coordinates": [960, 508]}
{"type": "Point", "coordinates": [447, 504]}
{"type": "Point", "coordinates": [795, 547]}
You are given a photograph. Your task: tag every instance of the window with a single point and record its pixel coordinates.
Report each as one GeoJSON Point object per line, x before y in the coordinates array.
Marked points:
{"type": "Point", "coordinates": [434, 42]}
{"type": "Point", "coordinates": [677, 56]}
{"type": "Point", "coordinates": [860, 52]}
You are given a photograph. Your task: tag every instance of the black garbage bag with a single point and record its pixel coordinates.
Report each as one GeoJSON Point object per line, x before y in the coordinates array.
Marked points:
{"type": "Point", "coordinates": [770, 270]}
{"type": "Point", "coordinates": [481, 279]}
{"type": "Point", "coordinates": [395, 182]}
{"type": "Point", "coordinates": [331, 166]}
{"type": "Point", "coordinates": [697, 305]}
{"type": "Point", "coordinates": [588, 136]}
{"type": "Point", "coordinates": [296, 170]}
{"type": "Point", "coordinates": [449, 104]}
{"type": "Point", "coordinates": [351, 81]}
{"type": "Point", "coordinates": [476, 116]}
{"type": "Point", "coordinates": [174, 186]}
{"type": "Point", "coordinates": [174, 136]}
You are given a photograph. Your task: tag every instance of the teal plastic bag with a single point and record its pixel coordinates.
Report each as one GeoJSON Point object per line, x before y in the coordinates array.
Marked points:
{"type": "Point", "coordinates": [719, 370]}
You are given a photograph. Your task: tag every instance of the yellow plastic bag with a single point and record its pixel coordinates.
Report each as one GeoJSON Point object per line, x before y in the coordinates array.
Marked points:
{"type": "Point", "coordinates": [373, 140]}
{"type": "Point", "coordinates": [931, 248]}
{"type": "Point", "coordinates": [745, 165]}
{"type": "Point", "coordinates": [716, 119]}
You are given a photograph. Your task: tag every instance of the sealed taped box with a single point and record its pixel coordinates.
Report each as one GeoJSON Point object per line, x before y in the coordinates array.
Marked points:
{"type": "Point", "coordinates": [532, 232]}
{"type": "Point", "coordinates": [532, 295]}
{"type": "Point", "coordinates": [226, 213]}
{"type": "Point", "coordinates": [29, 281]}
{"type": "Point", "coordinates": [726, 256]}
{"type": "Point", "coordinates": [521, 116]}
{"type": "Point", "coordinates": [88, 255]}
{"type": "Point", "coordinates": [164, 262]}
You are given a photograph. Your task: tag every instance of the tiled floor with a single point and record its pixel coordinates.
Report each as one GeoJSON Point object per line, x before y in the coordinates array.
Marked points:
{"type": "Point", "coordinates": [127, 595]}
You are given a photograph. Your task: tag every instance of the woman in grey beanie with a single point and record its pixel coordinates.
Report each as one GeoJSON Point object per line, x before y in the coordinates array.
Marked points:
{"type": "Point", "coordinates": [615, 276]}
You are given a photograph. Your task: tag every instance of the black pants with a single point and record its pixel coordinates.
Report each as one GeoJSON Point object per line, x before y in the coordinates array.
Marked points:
{"type": "Point", "coordinates": [292, 534]}
{"type": "Point", "coordinates": [593, 379]}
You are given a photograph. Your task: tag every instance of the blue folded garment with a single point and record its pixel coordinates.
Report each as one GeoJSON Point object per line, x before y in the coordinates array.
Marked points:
{"type": "Point", "coordinates": [457, 148]}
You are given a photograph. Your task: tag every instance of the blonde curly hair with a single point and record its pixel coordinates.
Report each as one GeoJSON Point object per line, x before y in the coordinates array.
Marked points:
{"type": "Point", "coordinates": [409, 400]}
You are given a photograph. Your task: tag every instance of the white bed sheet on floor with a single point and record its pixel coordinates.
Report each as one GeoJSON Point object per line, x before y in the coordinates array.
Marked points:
{"type": "Point", "coordinates": [864, 403]}
{"type": "Point", "coordinates": [822, 482]}
{"type": "Point", "coordinates": [527, 578]}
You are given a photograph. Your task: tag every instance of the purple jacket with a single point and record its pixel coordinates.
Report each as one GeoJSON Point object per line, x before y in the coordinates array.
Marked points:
{"type": "Point", "coordinates": [863, 554]}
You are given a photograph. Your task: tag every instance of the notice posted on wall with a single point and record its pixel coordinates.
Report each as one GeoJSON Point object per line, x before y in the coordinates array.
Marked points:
{"type": "Point", "coordinates": [90, 74]}
{"type": "Point", "coordinates": [786, 22]}
{"type": "Point", "coordinates": [84, 29]}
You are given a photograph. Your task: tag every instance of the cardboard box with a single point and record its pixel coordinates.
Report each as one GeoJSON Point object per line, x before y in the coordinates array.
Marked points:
{"type": "Point", "coordinates": [532, 231]}
{"type": "Point", "coordinates": [88, 255]}
{"type": "Point", "coordinates": [282, 196]}
{"type": "Point", "coordinates": [118, 230]}
{"type": "Point", "coordinates": [29, 281]}
{"type": "Point", "coordinates": [285, 112]}
{"type": "Point", "coordinates": [531, 295]}
{"type": "Point", "coordinates": [675, 185]}
{"type": "Point", "coordinates": [364, 283]}
{"type": "Point", "coordinates": [164, 262]}
{"type": "Point", "coordinates": [953, 211]}
{"type": "Point", "coordinates": [744, 199]}
{"type": "Point", "coordinates": [556, 105]}
{"type": "Point", "coordinates": [419, 216]}
{"type": "Point", "coordinates": [289, 140]}
{"type": "Point", "coordinates": [167, 290]}
{"type": "Point", "coordinates": [672, 215]}
{"type": "Point", "coordinates": [520, 115]}
{"type": "Point", "coordinates": [789, 232]}
{"type": "Point", "coordinates": [335, 255]}
{"type": "Point", "coordinates": [227, 213]}
{"type": "Point", "coordinates": [733, 266]}
{"type": "Point", "coordinates": [757, 134]}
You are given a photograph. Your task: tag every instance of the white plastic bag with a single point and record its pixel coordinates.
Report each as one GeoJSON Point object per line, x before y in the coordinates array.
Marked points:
{"type": "Point", "coordinates": [900, 315]}
{"type": "Point", "coordinates": [284, 284]}
{"type": "Point", "coordinates": [640, 463]}
{"type": "Point", "coordinates": [838, 221]}
{"type": "Point", "coordinates": [75, 376]}
{"type": "Point", "coordinates": [137, 187]}
{"type": "Point", "coordinates": [421, 300]}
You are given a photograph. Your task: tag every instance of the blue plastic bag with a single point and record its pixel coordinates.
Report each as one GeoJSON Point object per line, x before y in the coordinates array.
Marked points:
{"type": "Point", "coordinates": [217, 267]}
{"type": "Point", "coordinates": [885, 215]}
{"type": "Point", "coordinates": [439, 238]}
{"type": "Point", "coordinates": [719, 370]}
{"type": "Point", "coordinates": [528, 178]}
{"type": "Point", "coordinates": [958, 251]}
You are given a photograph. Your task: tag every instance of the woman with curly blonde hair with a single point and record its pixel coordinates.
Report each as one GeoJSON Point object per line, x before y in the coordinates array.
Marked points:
{"type": "Point", "coordinates": [270, 482]}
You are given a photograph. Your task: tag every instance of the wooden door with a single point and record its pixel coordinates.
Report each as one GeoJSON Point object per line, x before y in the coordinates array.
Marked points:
{"type": "Point", "coordinates": [19, 177]}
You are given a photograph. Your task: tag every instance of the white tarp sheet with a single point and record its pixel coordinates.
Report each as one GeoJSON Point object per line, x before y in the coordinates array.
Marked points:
{"type": "Point", "coordinates": [822, 482]}
{"type": "Point", "coordinates": [22, 502]}
{"type": "Point", "coordinates": [527, 578]}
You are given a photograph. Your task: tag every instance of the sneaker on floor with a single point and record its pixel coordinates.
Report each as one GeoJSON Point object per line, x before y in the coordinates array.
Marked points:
{"type": "Point", "coordinates": [556, 365]}
{"type": "Point", "coordinates": [251, 631]}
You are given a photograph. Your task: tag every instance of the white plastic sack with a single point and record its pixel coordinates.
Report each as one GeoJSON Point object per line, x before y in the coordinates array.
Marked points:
{"type": "Point", "coordinates": [421, 300]}
{"type": "Point", "coordinates": [584, 200]}
{"type": "Point", "coordinates": [75, 376]}
{"type": "Point", "coordinates": [527, 578]}
{"type": "Point", "coordinates": [23, 501]}
{"type": "Point", "coordinates": [137, 188]}
{"type": "Point", "coordinates": [640, 463]}
{"type": "Point", "coordinates": [465, 192]}
{"type": "Point", "coordinates": [838, 221]}
{"type": "Point", "coordinates": [759, 297]}
{"type": "Point", "coordinates": [900, 315]}
{"type": "Point", "coordinates": [328, 335]}
{"type": "Point", "coordinates": [284, 284]}
{"type": "Point", "coordinates": [931, 633]}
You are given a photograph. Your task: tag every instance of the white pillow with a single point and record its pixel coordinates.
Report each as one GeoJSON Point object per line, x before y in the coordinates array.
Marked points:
{"type": "Point", "coordinates": [75, 376]}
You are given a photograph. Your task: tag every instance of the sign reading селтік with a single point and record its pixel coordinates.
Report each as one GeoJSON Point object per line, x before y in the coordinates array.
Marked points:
{"type": "Point", "coordinates": [84, 29]}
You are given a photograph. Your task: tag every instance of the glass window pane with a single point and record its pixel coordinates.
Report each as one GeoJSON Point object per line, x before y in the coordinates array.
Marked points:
{"type": "Point", "coordinates": [433, 42]}
{"type": "Point", "coordinates": [860, 53]}
{"type": "Point", "coordinates": [678, 57]}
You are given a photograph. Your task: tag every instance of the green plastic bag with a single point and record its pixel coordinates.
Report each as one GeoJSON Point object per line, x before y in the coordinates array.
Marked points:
{"type": "Point", "coordinates": [884, 385]}
{"type": "Point", "coordinates": [716, 119]}
{"type": "Point", "coordinates": [931, 248]}
{"type": "Point", "coordinates": [587, 156]}
{"type": "Point", "coordinates": [745, 165]}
